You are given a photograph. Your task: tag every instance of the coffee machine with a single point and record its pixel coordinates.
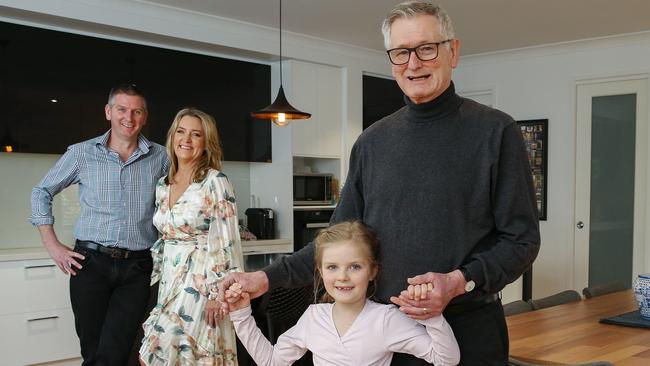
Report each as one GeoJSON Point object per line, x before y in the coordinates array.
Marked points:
{"type": "Point", "coordinates": [261, 222]}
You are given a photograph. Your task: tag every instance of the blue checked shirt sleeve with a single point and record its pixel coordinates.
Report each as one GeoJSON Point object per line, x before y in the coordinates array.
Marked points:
{"type": "Point", "coordinates": [64, 173]}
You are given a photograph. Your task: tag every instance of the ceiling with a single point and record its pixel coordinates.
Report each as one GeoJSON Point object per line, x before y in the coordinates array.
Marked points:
{"type": "Point", "coordinates": [482, 26]}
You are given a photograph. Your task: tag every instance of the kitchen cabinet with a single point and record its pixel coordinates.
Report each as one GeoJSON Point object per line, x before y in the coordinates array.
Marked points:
{"type": "Point", "coordinates": [271, 246]}
{"type": "Point", "coordinates": [35, 314]}
{"type": "Point", "coordinates": [317, 89]}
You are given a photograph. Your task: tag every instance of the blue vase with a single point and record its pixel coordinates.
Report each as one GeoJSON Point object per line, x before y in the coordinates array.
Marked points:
{"type": "Point", "coordinates": [642, 294]}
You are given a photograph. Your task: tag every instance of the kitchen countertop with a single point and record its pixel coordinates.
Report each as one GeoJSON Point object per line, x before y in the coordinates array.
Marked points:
{"type": "Point", "coordinates": [311, 208]}
{"type": "Point", "coordinates": [249, 248]}
{"type": "Point", "coordinates": [23, 254]}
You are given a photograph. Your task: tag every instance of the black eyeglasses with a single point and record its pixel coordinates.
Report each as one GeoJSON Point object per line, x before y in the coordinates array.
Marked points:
{"type": "Point", "coordinates": [424, 52]}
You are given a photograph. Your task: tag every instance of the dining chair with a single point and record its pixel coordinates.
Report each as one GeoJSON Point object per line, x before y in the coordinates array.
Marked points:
{"type": "Point", "coordinates": [516, 307]}
{"type": "Point", "coordinates": [560, 298]}
{"type": "Point", "coordinates": [283, 307]}
{"type": "Point", "coordinates": [603, 289]}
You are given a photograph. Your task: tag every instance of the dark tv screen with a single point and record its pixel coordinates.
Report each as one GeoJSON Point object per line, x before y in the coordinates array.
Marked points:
{"type": "Point", "coordinates": [381, 97]}
{"type": "Point", "coordinates": [39, 67]}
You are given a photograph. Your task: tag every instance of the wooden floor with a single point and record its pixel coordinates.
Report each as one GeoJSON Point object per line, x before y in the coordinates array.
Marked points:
{"type": "Point", "coordinates": [571, 333]}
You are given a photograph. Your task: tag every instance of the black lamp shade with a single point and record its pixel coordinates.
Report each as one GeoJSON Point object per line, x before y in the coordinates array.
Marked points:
{"type": "Point", "coordinates": [280, 105]}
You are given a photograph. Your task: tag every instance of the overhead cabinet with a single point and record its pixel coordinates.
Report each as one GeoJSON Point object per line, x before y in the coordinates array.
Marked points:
{"type": "Point", "coordinates": [316, 89]}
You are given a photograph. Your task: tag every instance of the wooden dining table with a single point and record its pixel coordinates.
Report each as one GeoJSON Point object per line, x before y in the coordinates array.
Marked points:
{"type": "Point", "coordinates": [571, 333]}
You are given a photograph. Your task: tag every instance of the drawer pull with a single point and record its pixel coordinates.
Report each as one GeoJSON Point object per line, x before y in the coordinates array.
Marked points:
{"type": "Point", "coordinates": [40, 266]}
{"type": "Point", "coordinates": [43, 318]}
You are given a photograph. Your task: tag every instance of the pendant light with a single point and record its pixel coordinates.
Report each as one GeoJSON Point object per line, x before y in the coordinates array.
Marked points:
{"type": "Point", "coordinates": [280, 111]}
{"type": "Point", "coordinates": [8, 144]}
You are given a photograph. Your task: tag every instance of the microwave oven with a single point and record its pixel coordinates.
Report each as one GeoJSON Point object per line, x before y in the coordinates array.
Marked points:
{"type": "Point", "coordinates": [312, 189]}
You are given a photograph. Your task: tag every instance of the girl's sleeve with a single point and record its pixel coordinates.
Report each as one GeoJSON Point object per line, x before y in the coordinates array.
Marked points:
{"type": "Point", "coordinates": [290, 346]}
{"type": "Point", "coordinates": [434, 342]}
{"type": "Point", "coordinates": [224, 244]}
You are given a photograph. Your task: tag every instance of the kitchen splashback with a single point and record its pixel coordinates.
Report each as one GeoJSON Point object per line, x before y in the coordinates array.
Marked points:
{"type": "Point", "coordinates": [20, 172]}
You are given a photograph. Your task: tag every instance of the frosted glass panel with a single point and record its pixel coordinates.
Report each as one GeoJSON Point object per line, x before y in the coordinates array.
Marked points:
{"type": "Point", "coordinates": [612, 188]}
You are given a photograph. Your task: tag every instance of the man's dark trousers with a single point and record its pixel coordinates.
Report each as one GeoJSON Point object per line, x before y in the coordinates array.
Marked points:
{"type": "Point", "coordinates": [109, 298]}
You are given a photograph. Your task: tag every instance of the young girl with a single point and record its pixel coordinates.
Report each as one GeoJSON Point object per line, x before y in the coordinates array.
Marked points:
{"type": "Point", "coordinates": [350, 329]}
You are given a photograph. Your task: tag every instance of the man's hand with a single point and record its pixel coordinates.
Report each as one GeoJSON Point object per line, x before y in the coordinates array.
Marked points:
{"type": "Point", "coordinates": [64, 257]}
{"type": "Point", "coordinates": [237, 299]}
{"type": "Point", "coordinates": [60, 254]}
{"type": "Point", "coordinates": [420, 302]}
{"type": "Point", "coordinates": [255, 283]}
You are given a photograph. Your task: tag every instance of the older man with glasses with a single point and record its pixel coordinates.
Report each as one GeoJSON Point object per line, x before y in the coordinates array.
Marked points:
{"type": "Point", "coordinates": [446, 184]}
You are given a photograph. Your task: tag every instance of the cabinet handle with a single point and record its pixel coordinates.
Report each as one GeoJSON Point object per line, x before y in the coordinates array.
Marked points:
{"type": "Point", "coordinates": [43, 318]}
{"type": "Point", "coordinates": [40, 266]}
{"type": "Point", "coordinates": [319, 225]}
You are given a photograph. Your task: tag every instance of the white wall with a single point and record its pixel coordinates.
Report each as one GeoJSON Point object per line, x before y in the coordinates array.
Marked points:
{"type": "Point", "coordinates": [540, 82]}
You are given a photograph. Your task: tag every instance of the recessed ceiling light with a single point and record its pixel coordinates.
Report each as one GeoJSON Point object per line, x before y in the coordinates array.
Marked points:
{"type": "Point", "coordinates": [54, 100]}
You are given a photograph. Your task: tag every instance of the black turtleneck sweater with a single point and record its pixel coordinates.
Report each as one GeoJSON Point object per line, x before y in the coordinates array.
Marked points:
{"type": "Point", "coordinates": [443, 184]}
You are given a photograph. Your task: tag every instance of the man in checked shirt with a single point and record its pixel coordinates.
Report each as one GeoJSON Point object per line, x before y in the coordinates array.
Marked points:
{"type": "Point", "coordinates": [111, 264]}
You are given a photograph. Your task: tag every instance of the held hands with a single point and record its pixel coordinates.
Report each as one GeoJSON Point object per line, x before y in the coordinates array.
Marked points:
{"type": "Point", "coordinates": [255, 284]}
{"type": "Point", "coordinates": [428, 294]}
{"type": "Point", "coordinates": [237, 299]}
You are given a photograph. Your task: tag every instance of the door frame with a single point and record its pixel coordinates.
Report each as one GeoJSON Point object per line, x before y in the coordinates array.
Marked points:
{"type": "Point", "coordinates": [585, 91]}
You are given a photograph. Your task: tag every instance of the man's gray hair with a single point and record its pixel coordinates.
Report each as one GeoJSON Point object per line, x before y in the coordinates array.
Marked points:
{"type": "Point", "coordinates": [411, 9]}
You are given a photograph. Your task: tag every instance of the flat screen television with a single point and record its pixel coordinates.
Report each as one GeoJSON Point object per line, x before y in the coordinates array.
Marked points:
{"type": "Point", "coordinates": [54, 85]}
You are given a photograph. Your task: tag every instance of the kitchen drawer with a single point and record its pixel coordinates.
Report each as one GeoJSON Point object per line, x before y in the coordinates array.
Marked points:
{"type": "Point", "coordinates": [37, 337]}
{"type": "Point", "coordinates": [32, 285]}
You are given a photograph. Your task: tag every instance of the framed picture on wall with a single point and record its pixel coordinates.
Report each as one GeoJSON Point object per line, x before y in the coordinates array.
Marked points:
{"type": "Point", "coordinates": [535, 133]}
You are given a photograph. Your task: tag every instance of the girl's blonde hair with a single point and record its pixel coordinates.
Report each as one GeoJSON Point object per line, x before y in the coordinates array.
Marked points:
{"type": "Point", "coordinates": [355, 232]}
{"type": "Point", "coordinates": [211, 158]}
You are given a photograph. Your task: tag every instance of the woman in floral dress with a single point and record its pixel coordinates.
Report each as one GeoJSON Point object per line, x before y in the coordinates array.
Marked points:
{"type": "Point", "coordinates": [197, 218]}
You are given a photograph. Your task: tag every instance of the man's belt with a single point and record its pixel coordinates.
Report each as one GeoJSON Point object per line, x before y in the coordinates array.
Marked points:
{"type": "Point", "coordinates": [113, 252]}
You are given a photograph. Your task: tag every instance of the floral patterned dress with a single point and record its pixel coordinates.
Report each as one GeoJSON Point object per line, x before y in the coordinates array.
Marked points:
{"type": "Point", "coordinates": [199, 246]}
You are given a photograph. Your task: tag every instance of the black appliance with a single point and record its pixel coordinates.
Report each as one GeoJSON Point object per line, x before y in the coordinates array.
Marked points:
{"type": "Point", "coordinates": [261, 222]}
{"type": "Point", "coordinates": [307, 222]}
{"type": "Point", "coordinates": [312, 189]}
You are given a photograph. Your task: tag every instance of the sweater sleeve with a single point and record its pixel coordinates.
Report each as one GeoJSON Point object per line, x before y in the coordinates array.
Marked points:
{"type": "Point", "coordinates": [351, 205]}
{"type": "Point", "coordinates": [515, 217]}
{"type": "Point", "coordinates": [434, 343]}
{"type": "Point", "coordinates": [289, 347]}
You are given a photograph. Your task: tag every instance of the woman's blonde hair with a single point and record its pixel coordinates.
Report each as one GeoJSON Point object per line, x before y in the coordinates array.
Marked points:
{"type": "Point", "coordinates": [212, 155]}
{"type": "Point", "coordinates": [355, 232]}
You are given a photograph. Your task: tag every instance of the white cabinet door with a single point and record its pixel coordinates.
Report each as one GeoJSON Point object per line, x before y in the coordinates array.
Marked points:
{"type": "Point", "coordinates": [330, 111]}
{"type": "Point", "coordinates": [37, 337]}
{"type": "Point", "coordinates": [32, 285]}
{"type": "Point", "coordinates": [317, 89]}
{"type": "Point", "coordinates": [304, 80]}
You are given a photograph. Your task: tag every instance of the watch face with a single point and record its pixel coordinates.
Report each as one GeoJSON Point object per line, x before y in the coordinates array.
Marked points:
{"type": "Point", "coordinates": [469, 286]}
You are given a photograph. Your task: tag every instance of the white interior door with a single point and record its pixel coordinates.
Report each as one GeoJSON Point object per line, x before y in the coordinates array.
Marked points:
{"type": "Point", "coordinates": [611, 181]}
